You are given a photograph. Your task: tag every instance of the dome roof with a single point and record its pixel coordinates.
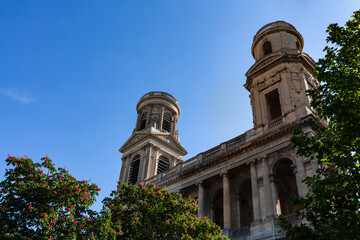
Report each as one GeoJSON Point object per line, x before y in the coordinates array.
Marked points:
{"type": "Point", "coordinates": [161, 98]}
{"type": "Point", "coordinates": [273, 28]}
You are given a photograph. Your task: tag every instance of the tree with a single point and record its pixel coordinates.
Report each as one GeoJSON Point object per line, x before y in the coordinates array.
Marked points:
{"type": "Point", "coordinates": [150, 212]}
{"type": "Point", "coordinates": [39, 201]}
{"type": "Point", "coordinates": [331, 210]}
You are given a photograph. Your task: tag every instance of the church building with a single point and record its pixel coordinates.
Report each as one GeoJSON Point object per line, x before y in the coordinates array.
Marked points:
{"type": "Point", "coordinates": [243, 184]}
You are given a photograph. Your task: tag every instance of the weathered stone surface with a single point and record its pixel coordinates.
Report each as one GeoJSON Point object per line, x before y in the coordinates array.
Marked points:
{"type": "Point", "coordinates": [242, 184]}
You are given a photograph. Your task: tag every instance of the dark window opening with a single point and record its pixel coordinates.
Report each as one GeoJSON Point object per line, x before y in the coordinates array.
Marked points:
{"type": "Point", "coordinates": [246, 209]}
{"type": "Point", "coordinates": [134, 169]}
{"type": "Point", "coordinates": [218, 203]}
{"type": "Point", "coordinates": [163, 164]}
{"type": "Point", "coordinates": [143, 121]}
{"type": "Point", "coordinates": [267, 48]}
{"type": "Point", "coordinates": [298, 46]}
{"type": "Point", "coordinates": [286, 184]}
{"type": "Point", "coordinates": [273, 102]}
{"type": "Point", "coordinates": [167, 122]}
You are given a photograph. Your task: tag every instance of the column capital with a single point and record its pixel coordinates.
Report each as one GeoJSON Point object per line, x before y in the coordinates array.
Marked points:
{"type": "Point", "coordinates": [224, 173]}
{"type": "Point", "coordinates": [273, 177]}
{"type": "Point", "coordinates": [253, 162]}
{"type": "Point", "coordinates": [199, 183]}
{"type": "Point", "coordinates": [156, 147]}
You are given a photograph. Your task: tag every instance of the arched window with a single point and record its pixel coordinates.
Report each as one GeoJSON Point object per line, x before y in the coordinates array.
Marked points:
{"type": "Point", "coordinates": [298, 46]}
{"type": "Point", "coordinates": [134, 170]}
{"type": "Point", "coordinates": [167, 122]}
{"type": "Point", "coordinates": [267, 48]}
{"type": "Point", "coordinates": [143, 117]}
{"type": "Point", "coordinates": [286, 186]}
{"type": "Point", "coordinates": [163, 164]}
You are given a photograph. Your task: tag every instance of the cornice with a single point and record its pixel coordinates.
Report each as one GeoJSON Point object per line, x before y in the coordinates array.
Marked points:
{"type": "Point", "coordinates": [256, 69]}
{"type": "Point", "coordinates": [309, 120]}
{"type": "Point", "coordinates": [154, 136]}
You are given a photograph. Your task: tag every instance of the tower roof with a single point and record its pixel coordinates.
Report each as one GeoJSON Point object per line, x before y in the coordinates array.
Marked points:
{"type": "Point", "coordinates": [159, 97]}
{"type": "Point", "coordinates": [278, 26]}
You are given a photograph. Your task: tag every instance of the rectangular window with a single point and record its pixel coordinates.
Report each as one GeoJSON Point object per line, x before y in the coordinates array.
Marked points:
{"type": "Point", "coordinates": [273, 104]}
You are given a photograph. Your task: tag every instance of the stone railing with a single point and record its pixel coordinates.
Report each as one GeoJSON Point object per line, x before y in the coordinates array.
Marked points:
{"type": "Point", "coordinates": [162, 94]}
{"type": "Point", "coordinates": [232, 143]}
{"type": "Point", "coordinates": [240, 232]}
{"type": "Point", "coordinates": [202, 157]}
{"type": "Point", "coordinates": [211, 152]}
{"type": "Point", "coordinates": [264, 28]}
{"type": "Point", "coordinates": [189, 162]}
{"type": "Point", "coordinates": [275, 122]}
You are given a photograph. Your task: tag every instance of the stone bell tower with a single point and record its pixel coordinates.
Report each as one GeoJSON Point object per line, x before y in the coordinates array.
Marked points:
{"type": "Point", "coordinates": [281, 74]}
{"type": "Point", "coordinates": [154, 144]}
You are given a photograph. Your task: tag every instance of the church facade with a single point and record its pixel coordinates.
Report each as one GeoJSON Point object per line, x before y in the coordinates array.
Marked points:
{"type": "Point", "coordinates": [242, 184]}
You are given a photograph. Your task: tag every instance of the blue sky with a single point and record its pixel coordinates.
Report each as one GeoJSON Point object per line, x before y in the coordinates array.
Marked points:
{"type": "Point", "coordinates": [72, 72]}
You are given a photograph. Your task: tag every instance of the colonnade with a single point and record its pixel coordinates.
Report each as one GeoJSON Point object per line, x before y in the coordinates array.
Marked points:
{"type": "Point", "coordinates": [265, 190]}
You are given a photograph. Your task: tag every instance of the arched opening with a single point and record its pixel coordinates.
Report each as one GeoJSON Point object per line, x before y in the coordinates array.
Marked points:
{"type": "Point", "coordinates": [218, 207]}
{"type": "Point", "coordinates": [134, 170]}
{"type": "Point", "coordinates": [163, 164]}
{"type": "Point", "coordinates": [143, 118]}
{"type": "Point", "coordinates": [286, 186]}
{"type": "Point", "coordinates": [167, 121]}
{"type": "Point", "coordinates": [298, 46]}
{"type": "Point", "coordinates": [267, 48]}
{"type": "Point", "coordinates": [246, 209]}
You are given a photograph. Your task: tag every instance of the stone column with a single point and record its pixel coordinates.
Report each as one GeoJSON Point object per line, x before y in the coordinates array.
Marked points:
{"type": "Point", "coordinates": [301, 175]}
{"type": "Point", "coordinates": [201, 199]}
{"type": "Point", "coordinates": [274, 194]}
{"type": "Point", "coordinates": [238, 205]}
{"type": "Point", "coordinates": [154, 162]}
{"type": "Point", "coordinates": [226, 199]}
{"type": "Point", "coordinates": [267, 189]}
{"type": "Point", "coordinates": [122, 171]}
{"type": "Point", "coordinates": [161, 117]}
{"type": "Point", "coordinates": [137, 122]}
{"type": "Point", "coordinates": [148, 117]}
{"type": "Point", "coordinates": [173, 125]}
{"type": "Point", "coordinates": [255, 192]}
{"type": "Point", "coordinates": [127, 169]}
{"type": "Point", "coordinates": [147, 163]}
{"type": "Point", "coordinates": [143, 159]}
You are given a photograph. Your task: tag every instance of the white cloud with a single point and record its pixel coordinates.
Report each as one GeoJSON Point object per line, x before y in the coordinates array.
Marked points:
{"type": "Point", "coordinates": [17, 95]}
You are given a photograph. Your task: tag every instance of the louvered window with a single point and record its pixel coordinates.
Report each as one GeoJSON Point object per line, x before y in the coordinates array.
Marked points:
{"type": "Point", "coordinates": [143, 121]}
{"type": "Point", "coordinates": [167, 122]}
{"type": "Point", "coordinates": [134, 170]}
{"type": "Point", "coordinates": [163, 164]}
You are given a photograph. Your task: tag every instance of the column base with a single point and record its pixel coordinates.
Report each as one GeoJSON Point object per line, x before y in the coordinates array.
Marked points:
{"type": "Point", "coordinates": [226, 232]}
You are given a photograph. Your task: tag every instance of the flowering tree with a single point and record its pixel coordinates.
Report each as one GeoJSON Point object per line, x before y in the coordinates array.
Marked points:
{"type": "Point", "coordinates": [149, 212]}
{"type": "Point", "coordinates": [38, 201]}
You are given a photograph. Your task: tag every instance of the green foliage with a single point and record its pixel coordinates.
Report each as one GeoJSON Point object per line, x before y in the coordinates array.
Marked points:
{"type": "Point", "coordinates": [39, 201]}
{"type": "Point", "coordinates": [150, 212]}
{"type": "Point", "coordinates": [332, 208]}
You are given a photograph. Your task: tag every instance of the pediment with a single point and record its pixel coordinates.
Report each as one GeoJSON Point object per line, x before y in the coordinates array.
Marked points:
{"type": "Point", "coordinates": [257, 67]}
{"type": "Point", "coordinates": [156, 138]}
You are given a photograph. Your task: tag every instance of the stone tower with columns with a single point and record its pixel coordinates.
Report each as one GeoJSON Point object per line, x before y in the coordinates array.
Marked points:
{"type": "Point", "coordinates": [154, 144]}
{"type": "Point", "coordinates": [243, 184]}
